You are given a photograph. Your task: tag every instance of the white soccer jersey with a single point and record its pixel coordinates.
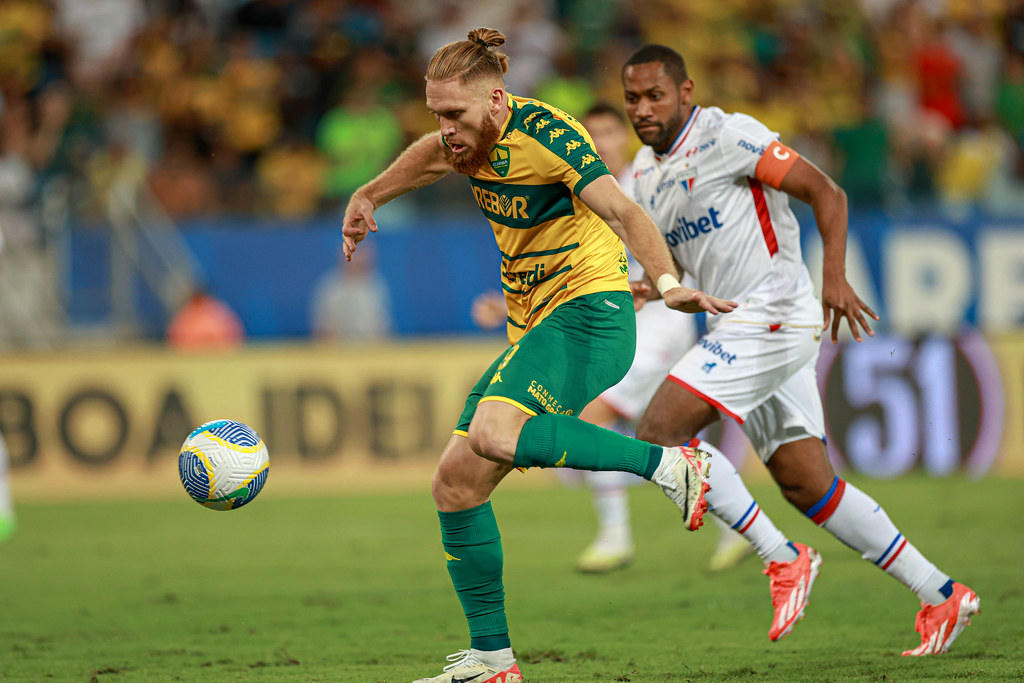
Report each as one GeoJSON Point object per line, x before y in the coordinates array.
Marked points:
{"type": "Point", "coordinates": [713, 199]}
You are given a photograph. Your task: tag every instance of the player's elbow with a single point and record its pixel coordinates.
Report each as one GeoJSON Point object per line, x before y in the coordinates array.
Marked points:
{"type": "Point", "coordinates": [826, 196]}
{"type": "Point", "coordinates": [840, 195]}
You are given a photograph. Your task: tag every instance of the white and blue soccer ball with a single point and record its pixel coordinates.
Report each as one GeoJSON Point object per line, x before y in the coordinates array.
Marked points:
{"type": "Point", "coordinates": [223, 464]}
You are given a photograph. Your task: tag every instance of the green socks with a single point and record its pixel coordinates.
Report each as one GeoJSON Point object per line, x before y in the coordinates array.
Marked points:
{"type": "Point", "coordinates": [550, 440]}
{"type": "Point", "coordinates": [472, 546]}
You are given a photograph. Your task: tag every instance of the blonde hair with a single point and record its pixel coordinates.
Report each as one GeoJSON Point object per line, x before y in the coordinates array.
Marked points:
{"type": "Point", "coordinates": [470, 59]}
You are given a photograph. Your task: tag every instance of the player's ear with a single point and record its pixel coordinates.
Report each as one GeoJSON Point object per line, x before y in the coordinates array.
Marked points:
{"type": "Point", "coordinates": [497, 100]}
{"type": "Point", "coordinates": [686, 91]}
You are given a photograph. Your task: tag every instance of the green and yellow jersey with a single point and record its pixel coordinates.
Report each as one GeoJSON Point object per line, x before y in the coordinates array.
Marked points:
{"type": "Point", "coordinates": [553, 246]}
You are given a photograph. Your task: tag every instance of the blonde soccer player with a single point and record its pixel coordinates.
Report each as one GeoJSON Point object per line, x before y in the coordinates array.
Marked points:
{"type": "Point", "coordinates": [559, 220]}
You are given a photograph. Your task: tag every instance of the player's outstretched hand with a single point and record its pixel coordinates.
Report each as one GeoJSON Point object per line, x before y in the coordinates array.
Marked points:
{"type": "Point", "coordinates": [838, 301]}
{"type": "Point", "coordinates": [694, 301]}
{"type": "Point", "coordinates": [489, 310]}
{"type": "Point", "coordinates": [642, 291]}
{"type": "Point", "coordinates": [358, 221]}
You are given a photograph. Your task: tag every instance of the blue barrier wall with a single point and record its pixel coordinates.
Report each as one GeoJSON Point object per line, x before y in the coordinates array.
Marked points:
{"type": "Point", "coordinates": [267, 272]}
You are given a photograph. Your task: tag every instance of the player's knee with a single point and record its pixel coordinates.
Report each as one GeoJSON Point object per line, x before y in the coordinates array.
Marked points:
{"type": "Point", "coordinates": [490, 443]}
{"type": "Point", "coordinates": [494, 431]}
{"type": "Point", "coordinates": [451, 491]}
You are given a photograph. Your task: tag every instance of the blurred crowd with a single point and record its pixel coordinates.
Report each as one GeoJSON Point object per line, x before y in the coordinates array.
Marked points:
{"type": "Point", "coordinates": [280, 108]}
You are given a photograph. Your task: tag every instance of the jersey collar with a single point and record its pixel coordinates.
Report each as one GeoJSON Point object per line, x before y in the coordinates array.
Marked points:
{"type": "Point", "coordinates": [681, 136]}
{"type": "Point", "coordinates": [510, 116]}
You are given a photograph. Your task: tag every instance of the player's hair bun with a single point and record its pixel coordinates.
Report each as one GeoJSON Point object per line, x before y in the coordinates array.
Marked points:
{"type": "Point", "coordinates": [488, 37]}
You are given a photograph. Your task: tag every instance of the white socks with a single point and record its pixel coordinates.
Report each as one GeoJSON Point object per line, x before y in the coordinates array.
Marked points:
{"type": "Point", "coordinates": [858, 521]}
{"type": "Point", "coordinates": [496, 659]}
{"type": "Point", "coordinates": [730, 501]}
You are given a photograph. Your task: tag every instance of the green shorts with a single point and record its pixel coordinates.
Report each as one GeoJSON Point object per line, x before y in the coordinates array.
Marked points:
{"type": "Point", "coordinates": [585, 346]}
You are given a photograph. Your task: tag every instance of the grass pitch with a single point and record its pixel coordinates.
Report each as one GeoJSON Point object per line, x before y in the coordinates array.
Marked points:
{"type": "Point", "coordinates": [353, 588]}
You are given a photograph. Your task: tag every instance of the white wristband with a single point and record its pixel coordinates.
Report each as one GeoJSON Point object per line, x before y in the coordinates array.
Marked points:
{"type": "Point", "coordinates": [667, 282]}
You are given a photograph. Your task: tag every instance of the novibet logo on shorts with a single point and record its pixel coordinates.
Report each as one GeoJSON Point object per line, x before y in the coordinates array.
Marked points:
{"type": "Point", "coordinates": [716, 349]}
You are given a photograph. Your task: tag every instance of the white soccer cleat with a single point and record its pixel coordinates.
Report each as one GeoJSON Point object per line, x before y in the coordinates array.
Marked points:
{"type": "Point", "coordinates": [790, 585]}
{"type": "Point", "coordinates": [600, 559]}
{"type": "Point", "coordinates": [732, 549]}
{"type": "Point", "coordinates": [682, 476]}
{"type": "Point", "coordinates": [466, 668]}
{"type": "Point", "coordinates": [939, 625]}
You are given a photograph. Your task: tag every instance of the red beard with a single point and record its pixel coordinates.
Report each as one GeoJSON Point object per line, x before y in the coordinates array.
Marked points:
{"type": "Point", "coordinates": [470, 161]}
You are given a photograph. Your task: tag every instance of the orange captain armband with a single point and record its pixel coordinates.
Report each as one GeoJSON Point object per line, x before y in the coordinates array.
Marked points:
{"type": "Point", "coordinates": [775, 164]}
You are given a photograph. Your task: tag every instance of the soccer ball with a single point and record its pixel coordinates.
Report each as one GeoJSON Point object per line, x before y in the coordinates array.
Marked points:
{"type": "Point", "coordinates": [223, 464]}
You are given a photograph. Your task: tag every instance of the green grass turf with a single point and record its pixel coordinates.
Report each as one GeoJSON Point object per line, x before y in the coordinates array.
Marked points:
{"type": "Point", "coordinates": [353, 588]}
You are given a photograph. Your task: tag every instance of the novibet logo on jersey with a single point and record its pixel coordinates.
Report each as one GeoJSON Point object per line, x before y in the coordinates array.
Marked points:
{"type": "Point", "coordinates": [687, 230]}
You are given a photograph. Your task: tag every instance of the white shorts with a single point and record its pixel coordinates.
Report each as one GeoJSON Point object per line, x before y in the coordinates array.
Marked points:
{"type": "Point", "coordinates": [662, 337]}
{"type": "Point", "coordinates": [762, 376]}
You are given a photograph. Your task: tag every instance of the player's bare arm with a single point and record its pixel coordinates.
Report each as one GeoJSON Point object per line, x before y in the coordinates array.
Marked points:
{"type": "Point", "coordinates": [808, 183]}
{"type": "Point", "coordinates": [643, 239]}
{"type": "Point", "coordinates": [422, 163]}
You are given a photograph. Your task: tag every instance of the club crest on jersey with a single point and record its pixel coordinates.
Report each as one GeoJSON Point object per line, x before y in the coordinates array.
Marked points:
{"type": "Point", "coordinates": [687, 179]}
{"type": "Point", "coordinates": [499, 160]}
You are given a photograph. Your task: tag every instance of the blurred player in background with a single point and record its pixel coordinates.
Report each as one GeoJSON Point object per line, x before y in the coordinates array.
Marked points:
{"type": "Point", "coordinates": [205, 322]}
{"type": "Point", "coordinates": [558, 216]}
{"type": "Point", "coordinates": [718, 186]}
{"type": "Point", "coordinates": [7, 524]}
{"type": "Point", "coordinates": [662, 336]}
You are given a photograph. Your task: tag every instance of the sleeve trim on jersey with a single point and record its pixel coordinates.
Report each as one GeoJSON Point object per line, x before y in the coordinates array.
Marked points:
{"type": "Point", "coordinates": [590, 177]}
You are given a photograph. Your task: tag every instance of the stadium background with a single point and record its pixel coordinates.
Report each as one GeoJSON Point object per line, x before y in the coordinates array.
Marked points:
{"type": "Point", "coordinates": [151, 146]}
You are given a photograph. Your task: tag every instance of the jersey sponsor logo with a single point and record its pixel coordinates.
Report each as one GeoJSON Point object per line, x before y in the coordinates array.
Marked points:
{"type": "Point", "coordinates": [703, 147]}
{"type": "Point", "coordinates": [664, 185]}
{"type": "Point", "coordinates": [716, 349]}
{"type": "Point", "coordinates": [526, 277]}
{"type": "Point", "coordinates": [501, 205]}
{"type": "Point", "coordinates": [544, 397]}
{"type": "Point", "coordinates": [751, 147]}
{"type": "Point", "coordinates": [520, 206]}
{"type": "Point", "coordinates": [708, 367]}
{"type": "Point", "coordinates": [687, 230]}
{"type": "Point", "coordinates": [499, 159]}
{"type": "Point", "coordinates": [641, 172]}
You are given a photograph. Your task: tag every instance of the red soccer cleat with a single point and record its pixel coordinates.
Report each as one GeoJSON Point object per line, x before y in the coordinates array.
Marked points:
{"type": "Point", "coordinates": [939, 625]}
{"type": "Point", "coordinates": [790, 585]}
